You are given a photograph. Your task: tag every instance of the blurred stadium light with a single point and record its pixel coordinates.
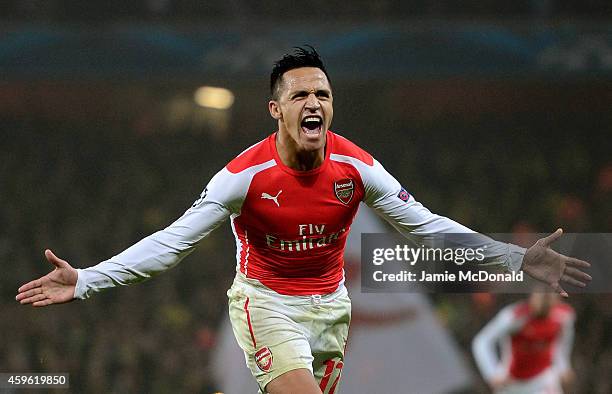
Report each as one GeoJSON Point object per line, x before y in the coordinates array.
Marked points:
{"type": "Point", "coordinates": [213, 97]}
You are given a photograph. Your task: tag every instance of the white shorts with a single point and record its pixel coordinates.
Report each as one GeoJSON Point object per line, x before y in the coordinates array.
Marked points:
{"type": "Point", "coordinates": [546, 382]}
{"type": "Point", "coordinates": [280, 333]}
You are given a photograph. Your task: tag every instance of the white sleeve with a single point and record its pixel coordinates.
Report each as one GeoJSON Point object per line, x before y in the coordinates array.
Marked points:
{"type": "Point", "coordinates": [563, 351]}
{"type": "Point", "coordinates": [166, 248]}
{"type": "Point", "coordinates": [484, 344]}
{"type": "Point", "coordinates": [386, 195]}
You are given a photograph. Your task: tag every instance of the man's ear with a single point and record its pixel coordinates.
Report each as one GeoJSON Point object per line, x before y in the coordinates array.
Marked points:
{"type": "Point", "coordinates": [274, 108]}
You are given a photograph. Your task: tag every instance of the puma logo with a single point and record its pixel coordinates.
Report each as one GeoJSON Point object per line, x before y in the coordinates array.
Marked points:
{"type": "Point", "coordinates": [266, 196]}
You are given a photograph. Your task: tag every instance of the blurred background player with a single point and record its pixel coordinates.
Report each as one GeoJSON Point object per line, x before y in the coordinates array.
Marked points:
{"type": "Point", "coordinates": [535, 339]}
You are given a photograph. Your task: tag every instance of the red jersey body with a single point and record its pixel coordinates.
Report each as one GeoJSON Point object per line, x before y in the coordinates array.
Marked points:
{"type": "Point", "coordinates": [293, 225]}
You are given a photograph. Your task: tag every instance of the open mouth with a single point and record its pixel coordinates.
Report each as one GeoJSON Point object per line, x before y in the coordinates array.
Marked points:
{"type": "Point", "coordinates": [311, 125]}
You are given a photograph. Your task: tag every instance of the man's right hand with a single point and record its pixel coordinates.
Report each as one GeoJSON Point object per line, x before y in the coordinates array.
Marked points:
{"type": "Point", "coordinates": [56, 287]}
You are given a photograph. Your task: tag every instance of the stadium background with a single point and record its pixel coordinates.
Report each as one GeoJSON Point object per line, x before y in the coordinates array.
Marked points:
{"type": "Point", "coordinates": [494, 113]}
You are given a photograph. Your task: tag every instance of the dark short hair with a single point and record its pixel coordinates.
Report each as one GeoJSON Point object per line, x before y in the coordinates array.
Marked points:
{"type": "Point", "coordinates": [305, 56]}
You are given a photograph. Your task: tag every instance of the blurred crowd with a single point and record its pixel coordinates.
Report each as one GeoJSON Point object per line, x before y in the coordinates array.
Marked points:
{"type": "Point", "coordinates": [356, 10]}
{"type": "Point", "coordinates": [88, 188]}
{"type": "Point", "coordinates": [88, 192]}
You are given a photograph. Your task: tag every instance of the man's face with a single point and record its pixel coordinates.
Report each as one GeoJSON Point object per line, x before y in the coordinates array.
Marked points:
{"type": "Point", "coordinates": [304, 107]}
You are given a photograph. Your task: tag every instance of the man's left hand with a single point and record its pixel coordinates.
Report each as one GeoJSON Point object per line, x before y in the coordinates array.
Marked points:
{"type": "Point", "coordinates": [550, 267]}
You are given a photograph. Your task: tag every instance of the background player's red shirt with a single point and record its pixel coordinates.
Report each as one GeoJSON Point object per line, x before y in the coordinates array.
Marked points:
{"type": "Point", "coordinates": [529, 345]}
{"type": "Point", "coordinates": [535, 342]}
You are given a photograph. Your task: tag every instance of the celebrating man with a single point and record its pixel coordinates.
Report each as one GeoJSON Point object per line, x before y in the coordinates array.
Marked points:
{"type": "Point", "coordinates": [291, 199]}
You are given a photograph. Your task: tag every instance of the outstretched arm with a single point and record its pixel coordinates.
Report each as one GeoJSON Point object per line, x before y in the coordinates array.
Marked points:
{"type": "Point", "coordinates": [56, 287]}
{"type": "Point", "coordinates": [385, 194]}
{"type": "Point", "coordinates": [148, 257]}
{"type": "Point", "coordinates": [154, 254]}
{"type": "Point", "coordinates": [141, 261]}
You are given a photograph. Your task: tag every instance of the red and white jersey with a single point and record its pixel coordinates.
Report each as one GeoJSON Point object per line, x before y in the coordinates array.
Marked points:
{"type": "Point", "coordinates": [290, 226]}
{"type": "Point", "coordinates": [530, 346]}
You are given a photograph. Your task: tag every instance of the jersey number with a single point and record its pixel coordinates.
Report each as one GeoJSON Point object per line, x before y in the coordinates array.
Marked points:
{"type": "Point", "coordinates": [329, 371]}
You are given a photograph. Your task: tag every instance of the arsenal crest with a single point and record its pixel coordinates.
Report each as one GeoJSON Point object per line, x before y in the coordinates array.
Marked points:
{"type": "Point", "coordinates": [263, 359]}
{"type": "Point", "coordinates": [344, 189]}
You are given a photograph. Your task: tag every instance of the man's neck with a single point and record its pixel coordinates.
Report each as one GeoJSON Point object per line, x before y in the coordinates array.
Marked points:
{"type": "Point", "coordinates": [295, 159]}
